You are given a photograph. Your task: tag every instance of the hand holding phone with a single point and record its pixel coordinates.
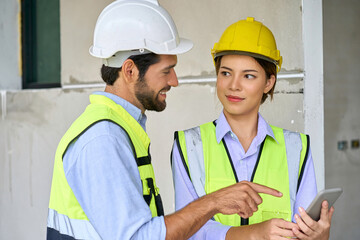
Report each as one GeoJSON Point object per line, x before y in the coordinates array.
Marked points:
{"type": "Point", "coordinates": [330, 195]}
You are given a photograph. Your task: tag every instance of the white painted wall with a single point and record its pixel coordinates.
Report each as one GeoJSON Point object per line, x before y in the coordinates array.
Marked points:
{"type": "Point", "coordinates": [314, 84]}
{"type": "Point", "coordinates": [342, 99]}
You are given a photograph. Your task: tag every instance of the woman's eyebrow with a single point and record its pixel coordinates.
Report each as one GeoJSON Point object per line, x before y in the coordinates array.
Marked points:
{"type": "Point", "coordinates": [250, 70]}
{"type": "Point", "coordinates": [227, 68]}
{"type": "Point", "coordinates": [245, 71]}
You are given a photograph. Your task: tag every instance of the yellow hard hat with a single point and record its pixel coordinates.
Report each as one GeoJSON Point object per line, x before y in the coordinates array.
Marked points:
{"type": "Point", "coordinates": [248, 37]}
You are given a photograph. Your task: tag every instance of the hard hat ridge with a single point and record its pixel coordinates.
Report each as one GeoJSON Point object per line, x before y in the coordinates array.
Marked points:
{"type": "Point", "coordinates": [129, 27]}
{"type": "Point", "coordinates": [248, 37]}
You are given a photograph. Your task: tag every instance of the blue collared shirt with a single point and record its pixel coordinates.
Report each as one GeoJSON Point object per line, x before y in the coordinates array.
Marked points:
{"type": "Point", "coordinates": [101, 170]}
{"type": "Point", "coordinates": [244, 163]}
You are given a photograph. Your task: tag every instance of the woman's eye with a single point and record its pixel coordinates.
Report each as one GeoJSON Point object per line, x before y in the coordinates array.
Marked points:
{"type": "Point", "coordinates": [249, 76]}
{"type": "Point", "coordinates": [224, 73]}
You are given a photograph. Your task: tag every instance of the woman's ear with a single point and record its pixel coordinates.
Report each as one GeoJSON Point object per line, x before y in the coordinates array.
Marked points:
{"type": "Point", "coordinates": [129, 71]}
{"type": "Point", "coordinates": [269, 83]}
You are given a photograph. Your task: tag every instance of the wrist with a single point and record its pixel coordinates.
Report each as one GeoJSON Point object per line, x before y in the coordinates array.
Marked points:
{"type": "Point", "coordinates": [209, 201]}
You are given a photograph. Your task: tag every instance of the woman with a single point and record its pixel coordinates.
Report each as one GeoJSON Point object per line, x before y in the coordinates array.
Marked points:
{"type": "Point", "coordinates": [241, 146]}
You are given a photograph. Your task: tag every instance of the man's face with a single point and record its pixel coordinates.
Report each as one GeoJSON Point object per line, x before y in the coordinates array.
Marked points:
{"type": "Point", "coordinates": [151, 90]}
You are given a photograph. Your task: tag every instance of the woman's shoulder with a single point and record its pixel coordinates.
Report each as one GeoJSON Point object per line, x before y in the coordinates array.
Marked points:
{"type": "Point", "coordinates": [279, 129]}
{"type": "Point", "coordinates": [207, 125]}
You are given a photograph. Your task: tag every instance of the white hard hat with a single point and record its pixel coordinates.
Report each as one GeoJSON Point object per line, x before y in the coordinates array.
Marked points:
{"type": "Point", "coordinates": [132, 27]}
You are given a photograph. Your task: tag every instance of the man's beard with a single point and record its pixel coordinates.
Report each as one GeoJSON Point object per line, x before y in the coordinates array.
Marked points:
{"type": "Point", "coordinates": [147, 97]}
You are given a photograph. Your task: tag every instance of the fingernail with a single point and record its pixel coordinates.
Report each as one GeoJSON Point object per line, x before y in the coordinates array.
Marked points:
{"type": "Point", "coordinates": [296, 218]}
{"type": "Point", "coordinates": [301, 209]}
{"type": "Point", "coordinates": [280, 194]}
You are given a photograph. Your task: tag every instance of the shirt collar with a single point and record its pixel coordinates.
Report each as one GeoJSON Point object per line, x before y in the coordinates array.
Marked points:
{"type": "Point", "coordinates": [223, 128]}
{"type": "Point", "coordinates": [265, 128]}
{"type": "Point", "coordinates": [130, 108]}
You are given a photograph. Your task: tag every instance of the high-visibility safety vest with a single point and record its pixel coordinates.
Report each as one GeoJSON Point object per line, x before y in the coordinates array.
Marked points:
{"type": "Point", "coordinates": [280, 165]}
{"type": "Point", "coordinates": [66, 219]}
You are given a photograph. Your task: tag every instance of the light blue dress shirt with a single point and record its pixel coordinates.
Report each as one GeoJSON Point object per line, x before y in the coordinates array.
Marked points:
{"type": "Point", "coordinates": [244, 163]}
{"type": "Point", "coordinates": [101, 170]}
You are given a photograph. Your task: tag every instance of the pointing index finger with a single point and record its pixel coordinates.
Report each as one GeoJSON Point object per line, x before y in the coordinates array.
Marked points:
{"type": "Point", "coordinates": [263, 189]}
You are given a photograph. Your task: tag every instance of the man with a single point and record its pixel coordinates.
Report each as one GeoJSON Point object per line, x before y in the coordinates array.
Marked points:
{"type": "Point", "coordinates": [103, 183]}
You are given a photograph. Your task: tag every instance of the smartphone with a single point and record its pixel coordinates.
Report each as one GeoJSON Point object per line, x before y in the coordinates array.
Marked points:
{"type": "Point", "coordinates": [331, 195]}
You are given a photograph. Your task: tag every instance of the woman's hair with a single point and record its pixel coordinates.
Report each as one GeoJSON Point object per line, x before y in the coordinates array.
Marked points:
{"type": "Point", "coordinates": [269, 67]}
{"type": "Point", "coordinates": [142, 62]}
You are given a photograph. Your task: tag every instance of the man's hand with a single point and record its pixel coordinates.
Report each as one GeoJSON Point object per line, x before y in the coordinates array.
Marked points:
{"type": "Point", "coordinates": [241, 198]}
{"type": "Point", "coordinates": [311, 229]}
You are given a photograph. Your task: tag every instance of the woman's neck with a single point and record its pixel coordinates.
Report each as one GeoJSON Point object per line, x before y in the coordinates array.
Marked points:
{"type": "Point", "coordinates": [244, 127]}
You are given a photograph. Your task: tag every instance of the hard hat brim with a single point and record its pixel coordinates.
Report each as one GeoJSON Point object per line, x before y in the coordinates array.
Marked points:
{"type": "Point", "coordinates": [254, 55]}
{"type": "Point", "coordinates": [184, 46]}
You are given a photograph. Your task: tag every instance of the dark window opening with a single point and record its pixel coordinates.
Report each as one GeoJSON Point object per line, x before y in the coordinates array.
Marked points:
{"type": "Point", "coordinates": [40, 31]}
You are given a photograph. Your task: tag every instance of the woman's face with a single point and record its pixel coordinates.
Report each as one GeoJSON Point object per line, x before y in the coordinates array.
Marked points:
{"type": "Point", "coordinates": [241, 82]}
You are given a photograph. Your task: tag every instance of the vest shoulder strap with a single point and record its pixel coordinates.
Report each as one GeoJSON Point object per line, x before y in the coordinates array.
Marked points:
{"type": "Point", "coordinates": [296, 145]}
{"type": "Point", "coordinates": [293, 147]}
{"type": "Point", "coordinates": [196, 166]}
{"type": "Point", "coordinates": [190, 146]}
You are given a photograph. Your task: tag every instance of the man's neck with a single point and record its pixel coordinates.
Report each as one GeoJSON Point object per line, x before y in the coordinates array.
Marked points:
{"type": "Point", "coordinates": [124, 93]}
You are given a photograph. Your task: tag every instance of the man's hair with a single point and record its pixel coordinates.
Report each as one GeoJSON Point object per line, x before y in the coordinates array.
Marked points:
{"type": "Point", "coordinates": [142, 62]}
{"type": "Point", "coordinates": [269, 67]}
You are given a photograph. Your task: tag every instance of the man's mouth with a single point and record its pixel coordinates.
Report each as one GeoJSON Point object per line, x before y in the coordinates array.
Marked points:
{"type": "Point", "coordinates": [164, 91]}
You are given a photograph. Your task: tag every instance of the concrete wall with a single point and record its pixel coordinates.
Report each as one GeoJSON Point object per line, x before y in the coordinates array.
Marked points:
{"type": "Point", "coordinates": [342, 98]}
{"type": "Point", "coordinates": [33, 126]}
{"type": "Point", "coordinates": [33, 121]}
{"type": "Point", "coordinates": [10, 64]}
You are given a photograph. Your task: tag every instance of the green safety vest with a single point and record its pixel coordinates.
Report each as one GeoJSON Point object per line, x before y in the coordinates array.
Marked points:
{"type": "Point", "coordinates": [280, 165]}
{"type": "Point", "coordinates": [66, 217]}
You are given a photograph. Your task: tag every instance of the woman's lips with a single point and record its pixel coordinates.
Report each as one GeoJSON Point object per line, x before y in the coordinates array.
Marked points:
{"type": "Point", "coordinates": [232, 98]}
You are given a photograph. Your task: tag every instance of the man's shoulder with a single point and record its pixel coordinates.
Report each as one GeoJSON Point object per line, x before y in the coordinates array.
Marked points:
{"type": "Point", "coordinates": [102, 129]}
{"type": "Point", "coordinates": [102, 136]}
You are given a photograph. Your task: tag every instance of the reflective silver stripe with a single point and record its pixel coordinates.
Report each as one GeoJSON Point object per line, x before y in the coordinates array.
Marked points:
{"type": "Point", "coordinates": [293, 146]}
{"type": "Point", "coordinates": [78, 229]}
{"type": "Point", "coordinates": [196, 165]}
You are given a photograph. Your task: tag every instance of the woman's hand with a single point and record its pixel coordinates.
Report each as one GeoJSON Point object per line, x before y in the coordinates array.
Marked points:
{"type": "Point", "coordinates": [273, 229]}
{"type": "Point", "coordinates": [276, 229]}
{"type": "Point", "coordinates": [310, 229]}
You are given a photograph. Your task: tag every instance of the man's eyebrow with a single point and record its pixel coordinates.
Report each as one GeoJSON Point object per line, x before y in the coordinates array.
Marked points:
{"type": "Point", "coordinates": [170, 67]}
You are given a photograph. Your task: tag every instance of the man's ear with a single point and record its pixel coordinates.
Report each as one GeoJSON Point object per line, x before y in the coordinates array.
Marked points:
{"type": "Point", "coordinates": [129, 71]}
